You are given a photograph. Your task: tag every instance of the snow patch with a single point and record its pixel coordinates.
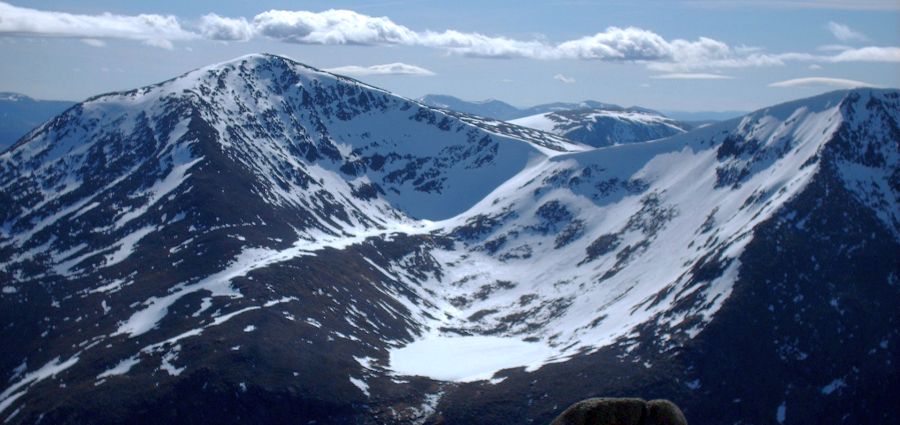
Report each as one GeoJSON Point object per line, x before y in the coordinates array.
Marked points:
{"type": "Point", "coordinates": [466, 358]}
{"type": "Point", "coordinates": [120, 369]}
{"type": "Point", "coordinates": [362, 385]}
{"type": "Point", "coordinates": [834, 386]}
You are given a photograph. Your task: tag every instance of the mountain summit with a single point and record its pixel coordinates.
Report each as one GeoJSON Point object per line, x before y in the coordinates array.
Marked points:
{"type": "Point", "coordinates": [261, 241]}
{"type": "Point", "coordinates": [605, 126]}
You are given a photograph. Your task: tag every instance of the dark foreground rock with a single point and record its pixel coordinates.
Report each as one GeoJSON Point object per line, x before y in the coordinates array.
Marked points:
{"type": "Point", "coordinates": [621, 411]}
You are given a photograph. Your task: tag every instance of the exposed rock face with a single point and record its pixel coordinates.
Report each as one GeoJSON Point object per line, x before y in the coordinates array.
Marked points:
{"type": "Point", "coordinates": [621, 411]}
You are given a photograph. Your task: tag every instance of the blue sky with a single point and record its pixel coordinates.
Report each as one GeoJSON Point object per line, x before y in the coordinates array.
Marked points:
{"type": "Point", "coordinates": [671, 55]}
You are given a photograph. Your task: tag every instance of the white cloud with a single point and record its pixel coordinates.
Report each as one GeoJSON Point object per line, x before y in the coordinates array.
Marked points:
{"type": "Point", "coordinates": [815, 67]}
{"type": "Point", "coordinates": [844, 33]}
{"type": "Point", "coordinates": [867, 54]}
{"type": "Point", "coordinates": [691, 76]}
{"type": "Point", "coordinates": [617, 44]}
{"type": "Point", "coordinates": [331, 27]}
{"type": "Point", "coordinates": [93, 42]}
{"type": "Point", "coordinates": [348, 27]}
{"type": "Point", "coordinates": [155, 29]}
{"type": "Point", "coordinates": [386, 69]}
{"type": "Point", "coordinates": [215, 27]}
{"type": "Point", "coordinates": [563, 79]}
{"type": "Point", "coordinates": [821, 81]}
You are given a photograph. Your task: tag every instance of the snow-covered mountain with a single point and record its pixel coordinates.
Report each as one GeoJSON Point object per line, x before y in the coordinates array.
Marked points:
{"type": "Point", "coordinates": [260, 241]}
{"type": "Point", "coordinates": [20, 113]}
{"type": "Point", "coordinates": [499, 110]}
{"type": "Point", "coordinates": [605, 126]}
{"type": "Point", "coordinates": [592, 123]}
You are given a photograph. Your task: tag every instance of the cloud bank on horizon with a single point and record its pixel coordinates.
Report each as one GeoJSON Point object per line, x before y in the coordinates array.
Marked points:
{"type": "Point", "coordinates": [679, 57]}
{"type": "Point", "coordinates": [386, 69]}
{"type": "Point", "coordinates": [717, 55]}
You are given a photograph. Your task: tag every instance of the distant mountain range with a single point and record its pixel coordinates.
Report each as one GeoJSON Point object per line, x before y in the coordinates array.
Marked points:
{"type": "Point", "coordinates": [590, 122]}
{"type": "Point", "coordinates": [19, 114]}
{"type": "Point", "coordinates": [260, 241]}
{"type": "Point", "coordinates": [503, 111]}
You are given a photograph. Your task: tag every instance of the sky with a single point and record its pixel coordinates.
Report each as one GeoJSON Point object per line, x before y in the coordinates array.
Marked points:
{"type": "Point", "coordinates": [676, 55]}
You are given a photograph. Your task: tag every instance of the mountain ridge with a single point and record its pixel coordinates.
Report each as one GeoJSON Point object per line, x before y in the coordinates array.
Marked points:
{"type": "Point", "coordinates": [500, 110]}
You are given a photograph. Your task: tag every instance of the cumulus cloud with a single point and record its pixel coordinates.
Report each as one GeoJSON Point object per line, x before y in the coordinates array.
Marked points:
{"type": "Point", "coordinates": [563, 79]}
{"type": "Point", "coordinates": [844, 33]}
{"type": "Point", "coordinates": [821, 81]}
{"type": "Point", "coordinates": [617, 44]}
{"type": "Point", "coordinates": [155, 29]}
{"type": "Point", "coordinates": [691, 76]}
{"type": "Point", "coordinates": [331, 27]}
{"type": "Point", "coordinates": [386, 69]}
{"type": "Point", "coordinates": [215, 27]}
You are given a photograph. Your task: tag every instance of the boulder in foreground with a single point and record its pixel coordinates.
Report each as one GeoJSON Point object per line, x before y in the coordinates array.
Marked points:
{"type": "Point", "coordinates": [621, 411]}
